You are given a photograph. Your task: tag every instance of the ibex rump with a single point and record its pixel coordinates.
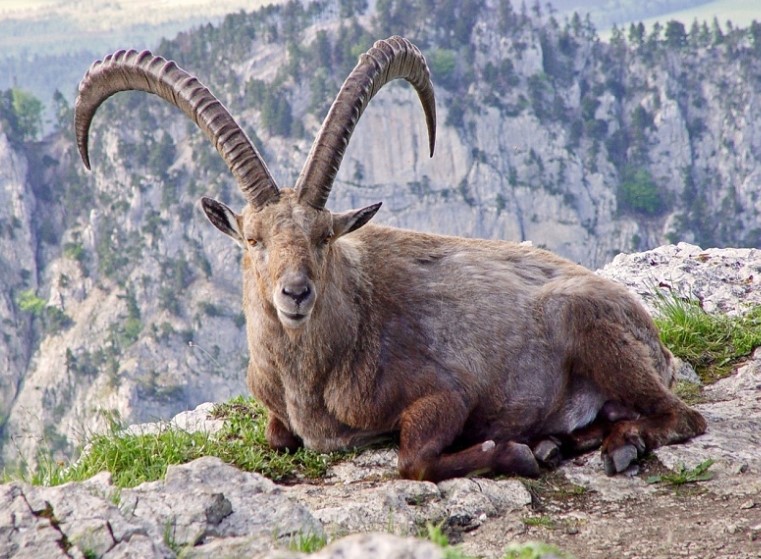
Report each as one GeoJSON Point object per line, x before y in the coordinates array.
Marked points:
{"type": "Point", "coordinates": [474, 352]}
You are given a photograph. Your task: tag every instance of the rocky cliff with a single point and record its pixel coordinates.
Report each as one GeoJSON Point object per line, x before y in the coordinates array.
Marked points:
{"type": "Point", "coordinates": [120, 300]}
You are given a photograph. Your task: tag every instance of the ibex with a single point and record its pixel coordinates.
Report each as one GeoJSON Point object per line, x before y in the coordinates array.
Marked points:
{"type": "Point", "coordinates": [481, 356]}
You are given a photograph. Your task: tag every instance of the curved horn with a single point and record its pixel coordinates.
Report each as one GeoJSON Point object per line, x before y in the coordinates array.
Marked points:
{"type": "Point", "coordinates": [130, 70]}
{"type": "Point", "coordinates": [387, 60]}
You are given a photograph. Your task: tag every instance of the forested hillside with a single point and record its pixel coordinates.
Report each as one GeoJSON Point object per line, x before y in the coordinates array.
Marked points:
{"type": "Point", "coordinates": [119, 299]}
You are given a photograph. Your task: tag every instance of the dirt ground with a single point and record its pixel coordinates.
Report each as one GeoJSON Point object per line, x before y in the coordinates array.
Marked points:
{"type": "Point", "coordinates": [689, 521]}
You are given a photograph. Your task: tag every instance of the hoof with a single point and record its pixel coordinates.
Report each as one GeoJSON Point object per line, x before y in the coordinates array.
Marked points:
{"type": "Point", "coordinates": [547, 453]}
{"type": "Point", "coordinates": [621, 458]}
{"type": "Point", "coordinates": [517, 459]}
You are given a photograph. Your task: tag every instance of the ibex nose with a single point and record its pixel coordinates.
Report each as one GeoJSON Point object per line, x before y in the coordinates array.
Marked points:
{"type": "Point", "coordinates": [297, 290]}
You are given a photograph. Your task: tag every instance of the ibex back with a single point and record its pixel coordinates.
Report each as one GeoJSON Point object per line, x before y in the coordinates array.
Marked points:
{"type": "Point", "coordinates": [482, 356]}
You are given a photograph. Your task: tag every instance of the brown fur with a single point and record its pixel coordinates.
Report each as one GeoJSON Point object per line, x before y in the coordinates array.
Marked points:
{"type": "Point", "coordinates": [469, 350]}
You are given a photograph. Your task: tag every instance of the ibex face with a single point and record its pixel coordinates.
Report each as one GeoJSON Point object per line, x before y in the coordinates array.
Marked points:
{"type": "Point", "coordinates": [287, 245]}
{"type": "Point", "coordinates": [286, 234]}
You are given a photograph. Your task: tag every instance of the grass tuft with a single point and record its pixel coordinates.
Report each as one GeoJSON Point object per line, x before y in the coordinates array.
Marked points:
{"type": "Point", "coordinates": [683, 476]}
{"type": "Point", "coordinates": [533, 550]}
{"type": "Point", "coordinates": [539, 521]}
{"type": "Point", "coordinates": [711, 343]}
{"type": "Point", "coordinates": [307, 542]}
{"type": "Point", "coordinates": [134, 459]}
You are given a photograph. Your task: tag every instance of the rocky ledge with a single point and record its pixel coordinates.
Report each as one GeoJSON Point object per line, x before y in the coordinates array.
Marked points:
{"type": "Point", "coordinates": [208, 509]}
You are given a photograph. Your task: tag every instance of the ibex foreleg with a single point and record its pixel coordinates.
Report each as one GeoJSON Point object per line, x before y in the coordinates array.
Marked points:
{"type": "Point", "coordinates": [432, 424]}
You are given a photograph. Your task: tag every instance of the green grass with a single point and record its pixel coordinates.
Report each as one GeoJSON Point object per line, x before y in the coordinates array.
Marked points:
{"type": "Point", "coordinates": [134, 459]}
{"type": "Point", "coordinates": [308, 542]}
{"type": "Point", "coordinates": [683, 476]}
{"type": "Point", "coordinates": [539, 521]}
{"type": "Point", "coordinates": [533, 550]}
{"type": "Point", "coordinates": [435, 534]}
{"type": "Point", "coordinates": [712, 343]}
{"type": "Point", "coordinates": [689, 392]}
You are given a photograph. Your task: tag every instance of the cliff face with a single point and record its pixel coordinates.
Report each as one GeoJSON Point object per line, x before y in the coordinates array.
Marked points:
{"type": "Point", "coordinates": [119, 298]}
{"type": "Point", "coordinates": [18, 269]}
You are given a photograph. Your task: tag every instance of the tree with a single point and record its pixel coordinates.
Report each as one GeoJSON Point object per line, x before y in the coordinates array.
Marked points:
{"type": "Point", "coordinates": [28, 110]}
{"type": "Point", "coordinates": [161, 155]}
{"type": "Point", "coordinates": [717, 35]}
{"type": "Point", "coordinates": [639, 193]}
{"type": "Point", "coordinates": [655, 33]}
{"type": "Point", "coordinates": [637, 34]}
{"type": "Point", "coordinates": [676, 36]}
{"type": "Point", "coordinates": [755, 36]}
{"type": "Point", "coordinates": [63, 113]}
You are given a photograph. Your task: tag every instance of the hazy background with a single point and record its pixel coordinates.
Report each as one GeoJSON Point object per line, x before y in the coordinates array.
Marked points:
{"type": "Point", "coordinates": [46, 45]}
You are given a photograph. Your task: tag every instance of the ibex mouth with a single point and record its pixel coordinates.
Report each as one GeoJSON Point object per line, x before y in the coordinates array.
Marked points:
{"type": "Point", "coordinates": [292, 320]}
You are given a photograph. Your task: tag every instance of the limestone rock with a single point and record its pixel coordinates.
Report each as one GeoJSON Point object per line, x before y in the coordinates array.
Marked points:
{"type": "Point", "coordinates": [723, 280]}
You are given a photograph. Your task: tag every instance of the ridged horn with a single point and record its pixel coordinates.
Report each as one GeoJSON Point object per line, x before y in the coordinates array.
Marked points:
{"type": "Point", "coordinates": [387, 60]}
{"type": "Point", "coordinates": [132, 70]}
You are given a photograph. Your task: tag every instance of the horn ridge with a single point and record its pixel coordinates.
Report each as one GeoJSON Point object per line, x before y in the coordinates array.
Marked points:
{"type": "Point", "coordinates": [387, 60]}
{"type": "Point", "coordinates": [127, 70]}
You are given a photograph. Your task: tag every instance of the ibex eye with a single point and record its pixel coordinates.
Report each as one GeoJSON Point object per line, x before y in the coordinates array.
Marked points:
{"type": "Point", "coordinates": [252, 242]}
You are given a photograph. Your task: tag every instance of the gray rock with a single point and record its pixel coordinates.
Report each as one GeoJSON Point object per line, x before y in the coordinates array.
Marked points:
{"type": "Point", "coordinates": [203, 502]}
{"type": "Point", "coordinates": [197, 420]}
{"type": "Point", "coordinates": [685, 372]}
{"type": "Point", "coordinates": [208, 499]}
{"type": "Point", "coordinates": [24, 532]}
{"type": "Point", "coordinates": [470, 501]}
{"type": "Point", "coordinates": [380, 545]}
{"type": "Point", "coordinates": [371, 545]}
{"type": "Point", "coordinates": [733, 440]}
{"type": "Point", "coordinates": [723, 280]}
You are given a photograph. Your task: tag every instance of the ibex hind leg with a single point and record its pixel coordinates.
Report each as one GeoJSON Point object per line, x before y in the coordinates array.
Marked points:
{"type": "Point", "coordinates": [671, 422]}
{"type": "Point", "coordinates": [550, 451]}
{"type": "Point", "coordinates": [612, 341]}
{"type": "Point", "coordinates": [630, 371]}
{"type": "Point", "coordinates": [432, 424]}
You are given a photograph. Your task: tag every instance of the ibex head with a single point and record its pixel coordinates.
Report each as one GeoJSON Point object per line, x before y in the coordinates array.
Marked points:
{"type": "Point", "coordinates": [287, 234]}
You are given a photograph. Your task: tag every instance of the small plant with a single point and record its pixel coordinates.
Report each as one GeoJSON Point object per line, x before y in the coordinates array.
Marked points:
{"type": "Point", "coordinates": [689, 392]}
{"type": "Point", "coordinates": [534, 550]}
{"type": "Point", "coordinates": [307, 542]}
{"type": "Point", "coordinates": [539, 521]}
{"type": "Point", "coordinates": [29, 302]}
{"type": "Point", "coordinates": [684, 476]}
{"type": "Point", "coordinates": [553, 486]}
{"type": "Point", "coordinates": [435, 534]}
{"type": "Point", "coordinates": [169, 536]}
{"type": "Point", "coordinates": [54, 319]}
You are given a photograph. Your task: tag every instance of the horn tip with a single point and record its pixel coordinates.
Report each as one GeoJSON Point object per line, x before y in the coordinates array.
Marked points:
{"type": "Point", "coordinates": [85, 159]}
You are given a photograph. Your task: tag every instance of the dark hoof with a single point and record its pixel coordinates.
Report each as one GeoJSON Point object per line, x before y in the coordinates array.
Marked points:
{"type": "Point", "coordinates": [517, 459]}
{"type": "Point", "coordinates": [620, 459]}
{"type": "Point", "coordinates": [547, 452]}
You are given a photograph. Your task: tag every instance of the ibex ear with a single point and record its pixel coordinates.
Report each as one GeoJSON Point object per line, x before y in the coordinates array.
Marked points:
{"type": "Point", "coordinates": [223, 218]}
{"type": "Point", "coordinates": [346, 222]}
